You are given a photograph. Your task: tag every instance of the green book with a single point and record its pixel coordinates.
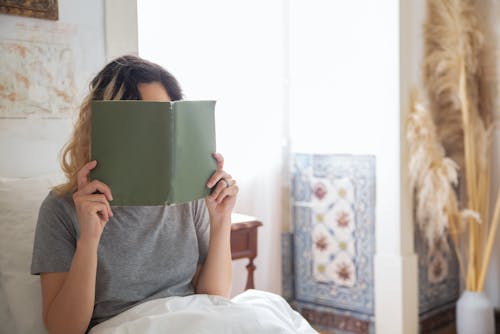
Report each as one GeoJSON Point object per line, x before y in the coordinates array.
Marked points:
{"type": "Point", "coordinates": [153, 153]}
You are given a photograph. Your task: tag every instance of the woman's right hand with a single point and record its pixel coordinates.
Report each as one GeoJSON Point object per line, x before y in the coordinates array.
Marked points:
{"type": "Point", "coordinates": [93, 210]}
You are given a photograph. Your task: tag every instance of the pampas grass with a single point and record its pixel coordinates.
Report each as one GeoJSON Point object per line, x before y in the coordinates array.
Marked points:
{"type": "Point", "coordinates": [452, 38]}
{"type": "Point", "coordinates": [451, 130]}
{"type": "Point", "coordinates": [430, 169]}
{"type": "Point", "coordinates": [433, 176]}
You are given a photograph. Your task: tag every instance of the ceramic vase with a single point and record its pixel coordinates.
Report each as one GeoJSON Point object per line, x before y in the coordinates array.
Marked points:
{"type": "Point", "coordinates": [474, 314]}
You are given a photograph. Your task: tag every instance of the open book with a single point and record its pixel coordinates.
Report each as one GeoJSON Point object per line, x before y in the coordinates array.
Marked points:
{"type": "Point", "coordinates": [153, 153]}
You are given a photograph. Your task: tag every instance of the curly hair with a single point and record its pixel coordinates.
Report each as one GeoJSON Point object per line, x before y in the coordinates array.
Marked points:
{"type": "Point", "coordinates": [118, 80]}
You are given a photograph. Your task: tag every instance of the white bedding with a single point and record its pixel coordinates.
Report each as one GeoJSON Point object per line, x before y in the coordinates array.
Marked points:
{"type": "Point", "coordinates": [20, 298]}
{"type": "Point", "coordinates": [252, 311]}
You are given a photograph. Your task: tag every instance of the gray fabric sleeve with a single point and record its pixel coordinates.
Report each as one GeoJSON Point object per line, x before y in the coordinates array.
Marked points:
{"type": "Point", "coordinates": [55, 238]}
{"type": "Point", "coordinates": [202, 225]}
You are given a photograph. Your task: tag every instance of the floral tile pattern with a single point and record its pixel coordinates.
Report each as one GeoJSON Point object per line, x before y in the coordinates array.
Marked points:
{"type": "Point", "coordinates": [438, 276]}
{"type": "Point", "coordinates": [333, 220]}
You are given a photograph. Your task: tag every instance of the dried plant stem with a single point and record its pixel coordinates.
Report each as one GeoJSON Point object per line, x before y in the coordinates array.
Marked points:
{"type": "Point", "coordinates": [487, 190]}
{"type": "Point", "coordinates": [480, 236]}
{"type": "Point", "coordinates": [470, 171]}
{"type": "Point", "coordinates": [489, 245]}
{"type": "Point", "coordinates": [455, 232]}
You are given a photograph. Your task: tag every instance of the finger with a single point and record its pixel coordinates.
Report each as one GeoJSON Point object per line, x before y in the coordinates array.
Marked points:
{"type": "Point", "coordinates": [83, 173]}
{"type": "Point", "coordinates": [102, 199]}
{"type": "Point", "coordinates": [96, 208]}
{"type": "Point", "coordinates": [101, 211]}
{"type": "Point", "coordinates": [97, 185]}
{"type": "Point", "coordinates": [220, 174]}
{"type": "Point", "coordinates": [218, 189]}
{"type": "Point", "coordinates": [227, 192]}
{"type": "Point", "coordinates": [220, 160]}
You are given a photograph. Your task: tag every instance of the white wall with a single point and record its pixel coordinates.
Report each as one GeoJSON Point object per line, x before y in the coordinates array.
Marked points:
{"type": "Point", "coordinates": [30, 147]}
{"type": "Point", "coordinates": [121, 28]}
{"type": "Point", "coordinates": [410, 23]}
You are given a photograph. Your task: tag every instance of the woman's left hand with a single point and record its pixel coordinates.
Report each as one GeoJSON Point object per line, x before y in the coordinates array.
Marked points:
{"type": "Point", "coordinates": [221, 201]}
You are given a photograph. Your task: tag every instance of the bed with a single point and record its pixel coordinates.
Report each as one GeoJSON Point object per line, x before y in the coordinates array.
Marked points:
{"type": "Point", "coordinates": [252, 311]}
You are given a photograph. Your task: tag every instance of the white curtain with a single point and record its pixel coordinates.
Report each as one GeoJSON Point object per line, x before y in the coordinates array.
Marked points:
{"type": "Point", "coordinates": [315, 76]}
{"type": "Point", "coordinates": [232, 51]}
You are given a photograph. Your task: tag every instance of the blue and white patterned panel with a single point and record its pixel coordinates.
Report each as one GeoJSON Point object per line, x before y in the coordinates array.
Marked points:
{"type": "Point", "coordinates": [438, 275]}
{"type": "Point", "coordinates": [287, 265]}
{"type": "Point", "coordinates": [334, 233]}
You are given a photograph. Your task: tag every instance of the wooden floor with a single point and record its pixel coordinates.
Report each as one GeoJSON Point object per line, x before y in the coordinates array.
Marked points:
{"type": "Point", "coordinates": [448, 330]}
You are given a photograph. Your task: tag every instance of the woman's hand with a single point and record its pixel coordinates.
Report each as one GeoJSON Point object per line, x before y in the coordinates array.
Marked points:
{"type": "Point", "coordinates": [215, 276]}
{"type": "Point", "coordinates": [93, 210]}
{"type": "Point", "coordinates": [221, 201]}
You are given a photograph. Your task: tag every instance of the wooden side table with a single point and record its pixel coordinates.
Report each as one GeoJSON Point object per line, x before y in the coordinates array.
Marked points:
{"type": "Point", "coordinates": [244, 242]}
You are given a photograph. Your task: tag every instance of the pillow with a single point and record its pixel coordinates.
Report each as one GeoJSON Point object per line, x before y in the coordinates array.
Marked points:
{"type": "Point", "coordinates": [23, 301]}
{"type": "Point", "coordinates": [20, 201]}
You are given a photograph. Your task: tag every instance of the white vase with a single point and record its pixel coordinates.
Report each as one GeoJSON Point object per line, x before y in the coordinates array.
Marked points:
{"type": "Point", "coordinates": [474, 314]}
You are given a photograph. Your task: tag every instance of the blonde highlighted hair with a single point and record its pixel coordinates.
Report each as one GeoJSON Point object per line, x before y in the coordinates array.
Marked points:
{"type": "Point", "coordinates": [118, 80]}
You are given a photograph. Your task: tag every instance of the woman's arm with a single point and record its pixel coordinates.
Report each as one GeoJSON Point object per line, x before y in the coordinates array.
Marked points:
{"type": "Point", "coordinates": [68, 298]}
{"type": "Point", "coordinates": [215, 276]}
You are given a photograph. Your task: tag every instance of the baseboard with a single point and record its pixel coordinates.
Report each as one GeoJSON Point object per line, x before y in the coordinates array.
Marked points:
{"type": "Point", "coordinates": [331, 320]}
{"type": "Point", "coordinates": [497, 321]}
{"type": "Point", "coordinates": [437, 320]}
{"type": "Point", "coordinates": [443, 319]}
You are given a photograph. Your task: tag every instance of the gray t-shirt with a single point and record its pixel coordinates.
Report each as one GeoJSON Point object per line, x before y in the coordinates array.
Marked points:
{"type": "Point", "coordinates": [145, 252]}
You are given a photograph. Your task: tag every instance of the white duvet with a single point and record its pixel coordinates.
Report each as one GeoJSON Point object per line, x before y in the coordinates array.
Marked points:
{"type": "Point", "coordinates": [252, 311]}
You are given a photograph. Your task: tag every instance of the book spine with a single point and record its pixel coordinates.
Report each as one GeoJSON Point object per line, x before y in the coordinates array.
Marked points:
{"type": "Point", "coordinates": [173, 143]}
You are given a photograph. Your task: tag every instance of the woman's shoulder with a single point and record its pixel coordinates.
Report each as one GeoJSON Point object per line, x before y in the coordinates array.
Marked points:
{"type": "Point", "coordinates": [59, 202]}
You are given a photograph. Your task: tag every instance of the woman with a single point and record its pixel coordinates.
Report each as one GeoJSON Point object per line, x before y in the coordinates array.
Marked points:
{"type": "Point", "coordinates": [96, 261]}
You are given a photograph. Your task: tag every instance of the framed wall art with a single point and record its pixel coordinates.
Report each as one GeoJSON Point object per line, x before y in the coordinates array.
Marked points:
{"type": "Point", "coordinates": [42, 9]}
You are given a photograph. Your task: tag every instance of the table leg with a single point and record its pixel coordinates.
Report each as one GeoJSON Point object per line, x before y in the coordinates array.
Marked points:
{"type": "Point", "coordinates": [250, 269]}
